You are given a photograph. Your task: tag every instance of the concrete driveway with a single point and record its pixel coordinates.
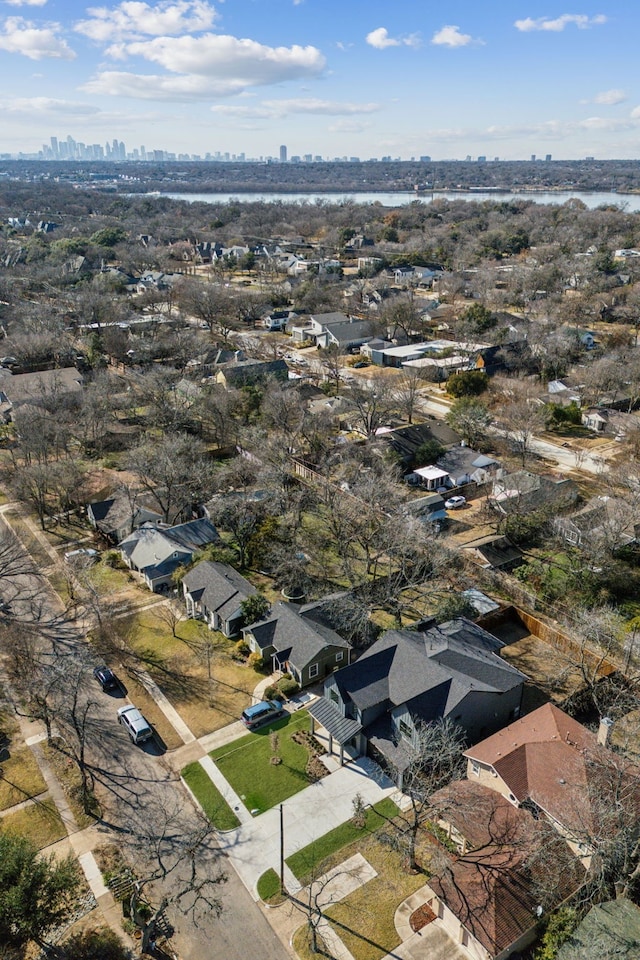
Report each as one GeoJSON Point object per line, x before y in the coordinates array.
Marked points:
{"type": "Point", "coordinates": [255, 846]}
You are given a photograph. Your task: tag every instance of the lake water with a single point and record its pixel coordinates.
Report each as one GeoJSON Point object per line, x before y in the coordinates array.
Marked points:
{"type": "Point", "coordinates": [628, 202]}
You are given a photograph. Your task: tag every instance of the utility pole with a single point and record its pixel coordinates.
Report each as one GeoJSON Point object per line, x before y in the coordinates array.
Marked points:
{"type": "Point", "coordinates": [282, 849]}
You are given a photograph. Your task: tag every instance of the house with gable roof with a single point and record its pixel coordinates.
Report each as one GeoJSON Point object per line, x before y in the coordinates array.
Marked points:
{"type": "Point", "coordinates": [157, 551]}
{"type": "Point", "coordinates": [550, 764]}
{"type": "Point", "coordinates": [296, 640]}
{"type": "Point", "coordinates": [488, 898]}
{"type": "Point", "coordinates": [408, 678]}
{"type": "Point", "coordinates": [214, 592]}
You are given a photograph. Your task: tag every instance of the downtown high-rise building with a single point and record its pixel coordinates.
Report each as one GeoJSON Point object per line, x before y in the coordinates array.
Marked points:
{"type": "Point", "coordinates": [283, 153]}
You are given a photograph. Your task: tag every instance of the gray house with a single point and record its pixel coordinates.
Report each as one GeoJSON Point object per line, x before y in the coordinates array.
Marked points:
{"type": "Point", "coordinates": [297, 642]}
{"type": "Point", "coordinates": [156, 552]}
{"type": "Point", "coordinates": [408, 678]}
{"type": "Point", "coordinates": [120, 515]}
{"type": "Point", "coordinates": [214, 592]}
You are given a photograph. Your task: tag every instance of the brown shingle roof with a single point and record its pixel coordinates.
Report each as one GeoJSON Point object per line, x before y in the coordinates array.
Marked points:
{"type": "Point", "coordinates": [553, 760]}
{"type": "Point", "coordinates": [495, 889]}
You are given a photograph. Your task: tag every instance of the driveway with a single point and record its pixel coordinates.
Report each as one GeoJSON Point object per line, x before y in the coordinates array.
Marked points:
{"type": "Point", "coordinates": [254, 847]}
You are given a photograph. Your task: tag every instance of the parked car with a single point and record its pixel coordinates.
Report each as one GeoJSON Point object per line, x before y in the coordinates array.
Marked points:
{"type": "Point", "coordinates": [106, 678]}
{"type": "Point", "coordinates": [80, 553]}
{"type": "Point", "coordinates": [360, 364]}
{"type": "Point", "coordinates": [454, 503]}
{"type": "Point", "coordinates": [134, 723]}
{"type": "Point", "coordinates": [261, 713]}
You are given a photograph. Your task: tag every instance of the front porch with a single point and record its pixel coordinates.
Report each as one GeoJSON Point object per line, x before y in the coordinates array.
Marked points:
{"type": "Point", "coordinates": [330, 727]}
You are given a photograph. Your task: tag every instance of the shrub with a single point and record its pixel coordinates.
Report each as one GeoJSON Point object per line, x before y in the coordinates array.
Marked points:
{"type": "Point", "coordinates": [288, 686]}
{"type": "Point", "coordinates": [242, 647]}
{"type": "Point", "coordinates": [271, 692]}
{"type": "Point", "coordinates": [255, 661]}
{"type": "Point", "coordinates": [468, 383]}
{"type": "Point", "coordinates": [113, 559]}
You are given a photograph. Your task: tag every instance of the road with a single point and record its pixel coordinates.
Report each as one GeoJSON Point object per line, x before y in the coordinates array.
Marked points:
{"type": "Point", "coordinates": [140, 791]}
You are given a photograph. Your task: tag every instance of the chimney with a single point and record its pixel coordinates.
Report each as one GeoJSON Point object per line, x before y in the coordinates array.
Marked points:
{"type": "Point", "coordinates": [604, 731]}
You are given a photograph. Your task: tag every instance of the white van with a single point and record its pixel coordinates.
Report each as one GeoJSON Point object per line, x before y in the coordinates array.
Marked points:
{"type": "Point", "coordinates": [134, 723]}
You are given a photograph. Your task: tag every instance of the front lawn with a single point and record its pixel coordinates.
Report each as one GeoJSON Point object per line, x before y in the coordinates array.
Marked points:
{"type": "Point", "coordinates": [364, 920]}
{"type": "Point", "coordinates": [209, 797]}
{"type": "Point", "coordinates": [40, 822]}
{"type": "Point", "coordinates": [21, 777]}
{"type": "Point", "coordinates": [246, 764]}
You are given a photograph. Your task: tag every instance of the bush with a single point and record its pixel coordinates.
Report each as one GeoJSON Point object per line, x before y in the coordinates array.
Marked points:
{"type": "Point", "coordinates": [255, 661]}
{"type": "Point", "coordinates": [271, 692]}
{"type": "Point", "coordinates": [242, 648]}
{"type": "Point", "coordinates": [288, 686]}
{"type": "Point", "coordinates": [559, 927]}
{"type": "Point", "coordinates": [113, 559]}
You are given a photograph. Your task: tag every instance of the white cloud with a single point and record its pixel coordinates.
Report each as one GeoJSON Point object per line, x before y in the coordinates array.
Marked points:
{"type": "Point", "coordinates": [580, 20]}
{"type": "Point", "coordinates": [153, 87]}
{"type": "Point", "coordinates": [610, 98]}
{"type": "Point", "coordinates": [134, 19]}
{"type": "Point", "coordinates": [36, 43]}
{"type": "Point", "coordinates": [450, 36]}
{"type": "Point", "coordinates": [46, 106]}
{"type": "Point", "coordinates": [277, 109]}
{"type": "Point", "coordinates": [234, 64]}
{"type": "Point", "coordinates": [380, 39]}
{"type": "Point", "coordinates": [25, 3]}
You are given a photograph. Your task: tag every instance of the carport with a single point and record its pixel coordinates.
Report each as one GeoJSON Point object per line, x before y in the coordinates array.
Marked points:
{"type": "Point", "coordinates": [342, 729]}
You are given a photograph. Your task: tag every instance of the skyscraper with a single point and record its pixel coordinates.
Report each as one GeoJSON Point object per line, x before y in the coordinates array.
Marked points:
{"type": "Point", "coordinates": [283, 154]}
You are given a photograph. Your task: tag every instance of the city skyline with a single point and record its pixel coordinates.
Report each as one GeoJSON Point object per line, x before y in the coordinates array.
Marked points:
{"type": "Point", "coordinates": [244, 77]}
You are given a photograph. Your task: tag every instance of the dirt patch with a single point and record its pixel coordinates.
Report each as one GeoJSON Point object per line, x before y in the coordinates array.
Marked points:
{"type": "Point", "coordinates": [421, 917]}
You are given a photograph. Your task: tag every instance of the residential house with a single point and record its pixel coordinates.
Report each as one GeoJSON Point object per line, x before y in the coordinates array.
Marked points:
{"type": "Point", "coordinates": [278, 319]}
{"type": "Point", "coordinates": [522, 492]}
{"type": "Point", "coordinates": [559, 770]}
{"type": "Point", "coordinates": [502, 358]}
{"type": "Point", "coordinates": [214, 592]}
{"type": "Point", "coordinates": [156, 552]}
{"type": "Point", "coordinates": [155, 280]}
{"type": "Point", "coordinates": [596, 419]}
{"type": "Point", "coordinates": [296, 640]}
{"type": "Point", "coordinates": [335, 328]}
{"type": "Point", "coordinates": [405, 441]}
{"type": "Point", "coordinates": [488, 897]}
{"type": "Point", "coordinates": [37, 389]}
{"type": "Point", "coordinates": [408, 678]}
{"type": "Point", "coordinates": [608, 523]}
{"type": "Point", "coordinates": [246, 372]}
{"type": "Point", "coordinates": [464, 465]}
{"type": "Point", "coordinates": [121, 514]}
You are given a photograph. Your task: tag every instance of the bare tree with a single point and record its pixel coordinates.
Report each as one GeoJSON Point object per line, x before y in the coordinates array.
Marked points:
{"type": "Point", "coordinates": [182, 869]}
{"type": "Point", "coordinates": [174, 472]}
{"type": "Point", "coordinates": [373, 403]}
{"type": "Point", "coordinates": [407, 391]}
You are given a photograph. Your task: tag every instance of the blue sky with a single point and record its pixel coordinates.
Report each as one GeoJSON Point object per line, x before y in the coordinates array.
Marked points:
{"type": "Point", "coordinates": [362, 78]}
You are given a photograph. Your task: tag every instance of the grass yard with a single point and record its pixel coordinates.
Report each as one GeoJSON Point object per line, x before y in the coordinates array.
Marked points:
{"type": "Point", "coordinates": [304, 863]}
{"type": "Point", "coordinates": [21, 777]}
{"type": "Point", "coordinates": [364, 919]}
{"type": "Point", "coordinates": [71, 782]}
{"type": "Point", "coordinates": [40, 823]}
{"type": "Point", "coordinates": [29, 540]}
{"type": "Point", "coordinates": [246, 764]}
{"type": "Point", "coordinates": [209, 797]}
{"type": "Point", "coordinates": [179, 667]}
{"type": "Point", "coordinates": [107, 580]}
{"type": "Point", "coordinates": [269, 888]}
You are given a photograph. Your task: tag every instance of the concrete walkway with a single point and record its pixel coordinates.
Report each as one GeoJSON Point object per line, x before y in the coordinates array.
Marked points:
{"type": "Point", "coordinates": [431, 943]}
{"type": "Point", "coordinates": [226, 790]}
{"type": "Point", "coordinates": [167, 708]}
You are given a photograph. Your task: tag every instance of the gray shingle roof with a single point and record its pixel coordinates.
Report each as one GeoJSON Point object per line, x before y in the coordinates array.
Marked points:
{"type": "Point", "coordinates": [446, 662]}
{"type": "Point", "coordinates": [150, 546]}
{"type": "Point", "coordinates": [221, 588]}
{"type": "Point", "coordinates": [290, 629]}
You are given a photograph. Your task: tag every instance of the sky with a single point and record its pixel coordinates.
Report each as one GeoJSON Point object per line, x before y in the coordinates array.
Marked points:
{"type": "Point", "coordinates": [330, 78]}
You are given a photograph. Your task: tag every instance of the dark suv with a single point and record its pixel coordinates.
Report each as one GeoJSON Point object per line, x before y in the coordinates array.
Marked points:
{"type": "Point", "coordinates": [106, 678]}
